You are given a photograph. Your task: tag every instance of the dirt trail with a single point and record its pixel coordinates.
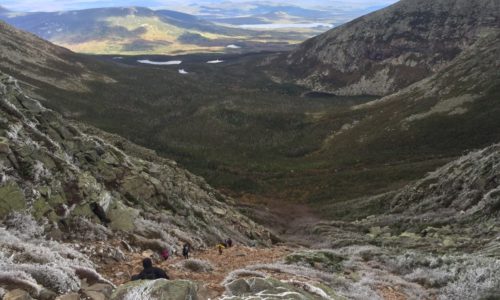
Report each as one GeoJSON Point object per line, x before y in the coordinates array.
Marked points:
{"type": "Point", "coordinates": [233, 258]}
{"type": "Point", "coordinates": [285, 219]}
{"type": "Point", "coordinates": [288, 220]}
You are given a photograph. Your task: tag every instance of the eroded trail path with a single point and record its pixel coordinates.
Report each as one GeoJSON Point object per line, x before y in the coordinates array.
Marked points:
{"type": "Point", "coordinates": [234, 258]}
{"type": "Point", "coordinates": [242, 257]}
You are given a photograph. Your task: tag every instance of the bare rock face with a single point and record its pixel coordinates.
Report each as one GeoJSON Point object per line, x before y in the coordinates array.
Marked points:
{"type": "Point", "coordinates": [392, 48]}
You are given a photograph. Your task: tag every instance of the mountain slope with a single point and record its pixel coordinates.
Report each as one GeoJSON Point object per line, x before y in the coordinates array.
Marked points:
{"type": "Point", "coordinates": [40, 62]}
{"type": "Point", "coordinates": [55, 170]}
{"type": "Point", "coordinates": [382, 52]}
{"type": "Point", "coordinates": [437, 118]}
{"type": "Point", "coordinates": [468, 187]}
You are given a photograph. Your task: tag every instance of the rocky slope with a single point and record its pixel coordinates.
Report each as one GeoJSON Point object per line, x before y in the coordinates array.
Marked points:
{"type": "Point", "coordinates": [437, 238]}
{"type": "Point", "coordinates": [382, 52]}
{"type": "Point", "coordinates": [55, 172]}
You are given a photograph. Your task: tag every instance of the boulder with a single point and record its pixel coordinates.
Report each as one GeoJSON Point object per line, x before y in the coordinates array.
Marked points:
{"type": "Point", "coordinates": [93, 295]}
{"type": "Point", "coordinates": [17, 294]}
{"type": "Point", "coordinates": [98, 291]}
{"type": "Point", "coordinates": [270, 288]}
{"type": "Point", "coordinates": [72, 296]}
{"type": "Point", "coordinates": [323, 260]}
{"type": "Point", "coordinates": [157, 290]}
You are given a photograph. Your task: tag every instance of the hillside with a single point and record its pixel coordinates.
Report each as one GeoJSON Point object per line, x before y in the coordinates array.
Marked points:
{"type": "Point", "coordinates": [387, 50]}
{"type": "Point", "coordinates": [56, 172]}
{"type": "Point", "coordinates": [139, 30]}
{"type": "Point", "coordinates": [43, 64]}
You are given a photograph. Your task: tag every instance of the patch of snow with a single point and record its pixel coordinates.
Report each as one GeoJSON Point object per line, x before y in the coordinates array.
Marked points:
{"type": "Point", "coordinates": [182, 71]}
{"type": "Point", "coordinates": [160, 63]}
{"type": "Point", "coordinates": [217, 61]}
{"type": "Point", "coordinates": [118, 57]}
{"type": "Point", "coordinates": [232, 46]}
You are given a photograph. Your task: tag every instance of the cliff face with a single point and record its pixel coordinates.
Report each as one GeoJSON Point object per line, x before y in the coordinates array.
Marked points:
{"type": "Point", "coordinates": [384, 51]}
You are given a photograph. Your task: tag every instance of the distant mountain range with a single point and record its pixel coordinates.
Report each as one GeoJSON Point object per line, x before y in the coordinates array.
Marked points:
{"type": "Point", "coordinates": [257, 12]}
{"type": "Point", "coordinates": [137, 30]}
{"type": "Point", "coordinates": [118, 30]}
{"type": "Point", "coordinates": [140, 30]}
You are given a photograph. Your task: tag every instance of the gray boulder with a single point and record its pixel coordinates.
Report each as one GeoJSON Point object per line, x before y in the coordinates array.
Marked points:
{"type": "Point", "coordinates": [157, 290]}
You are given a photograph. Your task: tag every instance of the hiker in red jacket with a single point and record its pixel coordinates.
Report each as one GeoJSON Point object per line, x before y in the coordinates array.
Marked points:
{"type": "Point", "coordinates": [165, 254]}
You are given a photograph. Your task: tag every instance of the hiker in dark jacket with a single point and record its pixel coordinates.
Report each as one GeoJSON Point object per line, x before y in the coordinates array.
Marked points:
{"type": "Point", "coordinates": [185, 250]}
{"type": "Point", "coordinates": [150, 272]}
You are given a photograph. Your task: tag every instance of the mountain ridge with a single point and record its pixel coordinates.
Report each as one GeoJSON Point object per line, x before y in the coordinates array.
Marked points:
{"type": "Point", "coordinates": [384, 51]}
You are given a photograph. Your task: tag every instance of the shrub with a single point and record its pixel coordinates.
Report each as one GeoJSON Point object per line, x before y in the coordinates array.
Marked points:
{"type": "Point", "coordinates": [197, 265]}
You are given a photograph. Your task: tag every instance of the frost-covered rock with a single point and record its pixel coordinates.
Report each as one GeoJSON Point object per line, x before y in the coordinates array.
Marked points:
{"type": "Point", "coordinates": [157, 290]}
{"type": "Point", "coordinates": [269, 288]}
{"type": "Point", "coordinates": [17, 294]}
{"type": "Point", "coordinates": [29, 260]}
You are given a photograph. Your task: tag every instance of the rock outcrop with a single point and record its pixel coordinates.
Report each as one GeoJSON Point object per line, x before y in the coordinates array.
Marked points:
{"type": "Point", "coordinates": [157, 290]}
{"type": "Point", "coordinates": [385, 51]}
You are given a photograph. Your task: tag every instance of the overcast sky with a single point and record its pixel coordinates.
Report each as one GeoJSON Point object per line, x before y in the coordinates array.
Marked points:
{"type": "Point", "coordinates": [56, 5]}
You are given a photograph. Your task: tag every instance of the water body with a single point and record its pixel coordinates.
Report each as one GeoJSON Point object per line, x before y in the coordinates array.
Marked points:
{"type": "Point", "coordinates": [161, 63]}
{"type": "Point", "coordinates": [285, 25]}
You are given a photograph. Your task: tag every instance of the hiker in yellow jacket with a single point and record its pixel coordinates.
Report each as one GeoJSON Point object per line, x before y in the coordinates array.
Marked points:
{"type": "Point", "coordinates": [220, 247]}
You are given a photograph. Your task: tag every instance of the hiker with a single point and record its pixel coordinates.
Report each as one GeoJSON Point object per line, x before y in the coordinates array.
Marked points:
{"type": "Point", "coordinates": [165, 254]}
{"type": "Point", "coordinates": [229, 243]}
{"type": "Point", "coordinates": [185, 250]}
{"type": "Point", "coordinates": [150, 272]}
{"type": "Point", "coordinates": [99, 212]}
{"type": "Point", "coordinates": [220, 247]}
